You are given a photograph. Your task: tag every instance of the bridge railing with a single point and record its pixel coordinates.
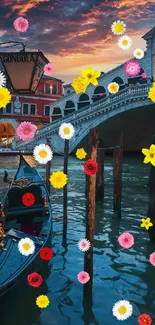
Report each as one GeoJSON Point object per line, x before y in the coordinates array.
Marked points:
{"type": "Point", "coordinates": [126, 94]}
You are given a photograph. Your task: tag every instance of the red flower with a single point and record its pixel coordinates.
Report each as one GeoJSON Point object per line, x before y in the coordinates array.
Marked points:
{"type": "Point", "coordinates": [34, 279]}
{"type": "Point", "coordinates": [46, 253]}
{"type": "Point", "coordinates": [90, 167]}
{"type": "Point", "coordinates": [28, 199]}
{"type": "Point", "coordinates": [144, 319]}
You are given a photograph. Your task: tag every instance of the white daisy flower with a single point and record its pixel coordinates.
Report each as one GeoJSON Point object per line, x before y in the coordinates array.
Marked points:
{"type": "Point", "coordinates": [84, 244]}
{"type": "Point", "coordinates": [118, 27]}
{"type": "Point", "coordinates": [26, 246]}
{"type": "Point", "coordinates": [113, 87]}
{"type": "Point", "coordinates": [2, 79]}
{"type": "Point", "coordinates": [122, 309]}
{"type": "Point", "coordinates": [138, 54]}
{"type": "Point", "coordinates": [42, 153]}
{"type": "Point", "coordinates": [66, 131]}
{"type": "Point", "coordinates": [124, 42]}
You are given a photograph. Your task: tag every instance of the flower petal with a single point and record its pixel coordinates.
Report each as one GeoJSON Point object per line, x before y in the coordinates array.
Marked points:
{"type": "Point", "coordinates": [145, 151]}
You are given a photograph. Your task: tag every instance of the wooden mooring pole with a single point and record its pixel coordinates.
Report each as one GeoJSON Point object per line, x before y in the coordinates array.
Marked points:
{"type": "Point", "coordinates": [66, 152]}
{"type": "Point", "coordinates": [151, 205]}
{"type": "Point", "coordinates": [90, 220]}
{"type": "Point", "coordinates": [100, 173]}
{"type": "Point", "coordinates": [117, 179]}
{"type": "Point", "coordinates": [48, 170]}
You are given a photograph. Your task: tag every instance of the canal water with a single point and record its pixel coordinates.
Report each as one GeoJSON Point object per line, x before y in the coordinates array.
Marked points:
{"type": "Point", "coordinates": [118, 273]}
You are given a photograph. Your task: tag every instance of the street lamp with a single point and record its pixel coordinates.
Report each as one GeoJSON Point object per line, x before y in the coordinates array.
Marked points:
{"type": "Point", "coordinates": [23, 69]}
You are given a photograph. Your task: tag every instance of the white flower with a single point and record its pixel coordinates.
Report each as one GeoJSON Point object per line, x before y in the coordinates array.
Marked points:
{"type": "Point", "coordinates": [138, 54]}
{"type": "Point", "coordinates": [42, 153]}
{"type": "Point", "coordinates": [84, 244]}
{"type": "Point", "coordinates": [118, 27]}
{"type": "Point", "coordinates": [113, 87]}
{"type": "Point", "coordinates": [122, 309]}
{"type": "Point", "coordinates": [2, 79]}
{"type": "Point", "coordinates": [66, 131]}
{"type": "Point", "coordinates": [124, 42]}
{"type": "Point", "coordinates": [26, 246]}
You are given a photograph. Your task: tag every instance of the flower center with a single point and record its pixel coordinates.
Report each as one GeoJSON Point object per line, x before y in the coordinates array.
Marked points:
{"type": "Point", "coordinates": [83, 277]}
{"type": "Point", "coordinates": [43, 153]}
{"type": "Point", "coordinates": [89, 75]}
{"type": "Point", "coordinates": [58, 179]}
{"type": "Point", "coordinates": [125, 42]}
{"type": "Point", "coordinates": [66, 130]}
{"type": "Point", "coordinates": [118, 28]}
{"type": "Point", "coordinates": [151, 155]}
{"type": "Point", "coordinates": [122, 310]}
{"type": "Point", "coordinates": [26, 131]}
{"type": "Point", "coordinates": [26, 246]}
{"type": "Point", "coordinates": [35, 279]}
{"type": "Point", "coordinates": [138, 53]}
{"type": "Point", "coordinates": [126, 239]}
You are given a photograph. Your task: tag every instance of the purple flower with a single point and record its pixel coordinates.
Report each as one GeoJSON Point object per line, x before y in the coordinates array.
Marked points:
{"type": "Point", "coordinates": [132, 68]}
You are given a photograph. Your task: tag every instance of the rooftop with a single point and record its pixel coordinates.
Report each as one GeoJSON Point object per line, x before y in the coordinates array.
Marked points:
{"type": "Point", "coordinates": [51, 78]}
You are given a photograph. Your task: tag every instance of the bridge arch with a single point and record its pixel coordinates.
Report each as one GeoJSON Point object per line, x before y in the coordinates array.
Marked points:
{"type": "Point", "coordinates": [69, 107]}
{"type": "Point", "coordinates": [6, 130]}
{"type": "Point", "coordinates": [120, 82]}
{"type": "Point", "coordinates": [56, 114]}
{"type": "Point", "coordinates": [99, 93]}
{"type": "Point", "coordinates": [83, 101]}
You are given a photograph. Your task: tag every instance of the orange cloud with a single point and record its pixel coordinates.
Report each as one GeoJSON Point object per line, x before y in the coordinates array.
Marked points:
{"type": "Point", "coordinates": [22, 8]}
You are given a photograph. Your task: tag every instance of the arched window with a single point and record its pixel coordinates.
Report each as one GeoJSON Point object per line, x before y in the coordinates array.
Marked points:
{"type": "Point", "coordinates": [56, 114]}
{"type": "Point", "coordinates": [69, 108]}
{"type": "Point", "coordinates": [99, 93]}
{"type": "Point", "coordinates": [120, 82]}
{"type": "Point", "coordinates": [83, 101]}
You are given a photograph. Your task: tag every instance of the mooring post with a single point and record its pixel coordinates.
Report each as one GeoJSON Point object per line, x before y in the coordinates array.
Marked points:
{"type": "Point", "coordinates": [90, 219]}
{"type": "Point", "coordinates": [48, 169]}
{"type": "Point", "coordinates": [66, 152]}
{"type": "Point", "coordinates": [117, 179]}
{"type": "Point", "coordinates": [151, 205]}
{"type": "Point", "coordinates": [87, 157]}
{"type": "Point", "coordinates": [100, 173]}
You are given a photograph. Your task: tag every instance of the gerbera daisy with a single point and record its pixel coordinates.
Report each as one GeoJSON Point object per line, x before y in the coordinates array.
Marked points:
{"type": "Point", "coordinates": [66, 131]}
{"type": "Point", "coordinates": [26, 131]}
{"type": "Point", "coordinates": [48, 69]}
{"type": "Point", "coordinates": [34, 279]}
{"type": "Point", "coordinates": [42, 301]}
{"type": "Point", "coordinates": [21, 24]}
{"type": "Point", "coordinates": [2, 79]}
{"type": "Point", "coordinates": [90, 76]}
{"type": "Point", "coordinates": [122, 309]}
{"type": "Point", "coordinates": [138, 54]}
{"type": "Point", "coordinates": [144, 319]}
{"type": "Point", "coordinates": [26, 246]}
{"type": "Point", "coordinates": [124, 42]}
{"type": "Point", "coordinates": [81, 154]}
{"type": "Point", "coordinates": [113, 87]}
{"type": "Point", "coordinates": [84, 244]}
{"type": "Point", "coordinates": [132, 68]}
{"type": "Point", "coordinates": [151, 93]}
{"type": "Point", "coordinates": [118, 27]}
{"type": "Point", "coordinates": [58, 179]}
{"type": "Point", "coordinates": [5, 97]}
{"type": "Point", "coordinates": [83, 277]}
{"type": "Point", "coordinates": [126, 240]}
{"type": "Point", "coordinates": [42, 153]}
{"type": "Point", "coordinates": [152, 259]}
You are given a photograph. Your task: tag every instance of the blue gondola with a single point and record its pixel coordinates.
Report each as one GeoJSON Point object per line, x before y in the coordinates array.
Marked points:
{"type": "Point", "coordinates": [31, 220]}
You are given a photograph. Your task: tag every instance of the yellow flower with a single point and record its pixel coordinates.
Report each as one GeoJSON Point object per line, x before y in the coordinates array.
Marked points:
{"type": "Point", "coordinates": [5, 97]}
{"type": "Point", "coordinates": [58, 179]}
{"type": "Point", "coordinates": [146, 223]}
{"type": "Point", "coordinates": [79, 85]}
{"type": "Point", "coordinates": [150, 155]}
{"type": "Point", "coordinates": [118, 27]}
{"type": "Point", "coordinates": [113, 87]}
{"type": "Point", "coordinates": [90, 76]}
{"type": "Point", "coordinates": [151, 93]}
{"type": "Point", "coordinates": [42, 301]}
{"type": "Point", "coordinates": [80, 153]}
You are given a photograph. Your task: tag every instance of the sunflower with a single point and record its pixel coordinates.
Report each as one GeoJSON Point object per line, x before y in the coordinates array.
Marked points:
{"type": "Point", "coordinates": [5, 97]}
{"type": "Point", "coordinates": [42, 153]}
{"type": "Point", "coordinates": [122, 310]}
{"type": "Point", "coordinates": [42, 301]}
{"type": "Point", "coordinates": [118, 27]}
{"type": "Point", "coordinates": [90, 76]}
{"type": "Point", "coordinates": [66, 131]}
{"type": "Point", "coordinates": [58, 179]}
{"type": "Point", "coordinates": [113, 87]}
{"type": "Point", "coordinates": [151, 93]}
{"type": "Point", "coordinates": [26, 246]}
{"type": "Point", "coordinates": [138, 54]}
{"type": "Point", "coordinates": [81, 154]}
{"type": "Point", "coordinates": [124, 42]}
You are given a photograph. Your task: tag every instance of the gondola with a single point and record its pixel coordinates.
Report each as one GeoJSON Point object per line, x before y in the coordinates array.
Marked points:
{"type": "Point", "coordinates": [24, 219]}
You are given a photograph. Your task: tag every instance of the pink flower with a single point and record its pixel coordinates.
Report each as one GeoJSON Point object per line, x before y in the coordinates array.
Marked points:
{"type": "Point", "coordinates": [26, 131]}
{"type": "Point", "coordinates": [126, 240]}
{"type": "Point", "coordinates": [144, 75]}
{"type": "Point", "coordinates": [48, 68]}
{"type": "Point", "coordinates": [84, 244]}
{"type": "Point", "coordinates": [152, 259]}
{"type": "Point", "coordinates": [21, 24]}
{"type": "Point", "coordinates": [132, 68]}
{"type": "Point", "coordinates": [83, 277]}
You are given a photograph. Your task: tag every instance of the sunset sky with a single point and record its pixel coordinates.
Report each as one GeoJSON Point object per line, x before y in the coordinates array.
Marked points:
{"type": "Point", "coordinates": [76, 33]}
